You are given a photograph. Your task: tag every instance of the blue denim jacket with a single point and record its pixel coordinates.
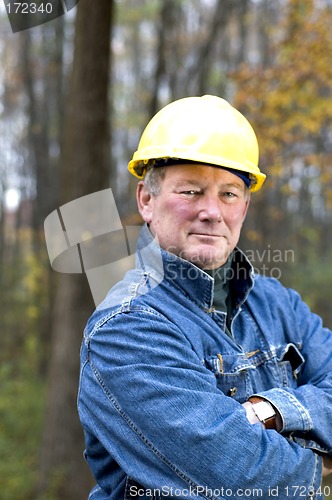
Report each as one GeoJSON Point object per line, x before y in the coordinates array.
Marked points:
{"type": "Point", "coordinates": [162, 384]}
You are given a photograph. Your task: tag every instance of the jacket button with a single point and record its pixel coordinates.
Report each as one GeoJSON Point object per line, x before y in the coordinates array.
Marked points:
{"type": "Point", "coordinates": [232, 391]}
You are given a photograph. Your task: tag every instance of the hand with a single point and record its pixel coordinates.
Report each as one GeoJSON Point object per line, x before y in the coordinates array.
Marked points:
{"type": "Point", "coordinates": [327, 465]}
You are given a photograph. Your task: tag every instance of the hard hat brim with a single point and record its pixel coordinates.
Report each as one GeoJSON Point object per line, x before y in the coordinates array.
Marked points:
{"type": "Point", "coordinates": [138, 168]}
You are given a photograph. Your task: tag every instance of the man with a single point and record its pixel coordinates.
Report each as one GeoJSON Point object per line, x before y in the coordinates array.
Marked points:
{"type": "Point", "coordinates": [200, 379]}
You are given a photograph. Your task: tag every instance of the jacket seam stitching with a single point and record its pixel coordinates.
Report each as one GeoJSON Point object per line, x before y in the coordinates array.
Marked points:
{"type": "Point", "coordinates": [119, 310]}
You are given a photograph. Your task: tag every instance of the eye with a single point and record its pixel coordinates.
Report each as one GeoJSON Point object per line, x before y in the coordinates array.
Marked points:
{"type": "Point", "coordinates": [229, 196]}
{"type": "Point", "coordinates": [190, 192]}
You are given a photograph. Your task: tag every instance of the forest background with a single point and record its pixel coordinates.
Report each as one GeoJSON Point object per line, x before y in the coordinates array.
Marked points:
{"type": "Point", "coordinates": [75, 94]}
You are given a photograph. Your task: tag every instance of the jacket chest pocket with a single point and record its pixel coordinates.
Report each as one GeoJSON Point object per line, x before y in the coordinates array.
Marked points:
{"type": "Point", "coordinates": [241, 375]}
{"type": "Point", "coordinates": [231, 372]}
{"type": "Point", "coordinates": [290, 364]}
{"type": "Point", "coordinates": [234, 385]}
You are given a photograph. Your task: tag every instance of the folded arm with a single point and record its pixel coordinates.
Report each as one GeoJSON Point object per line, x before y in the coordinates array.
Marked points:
{"type": "Point", "coordinates": [305, 413]}
{"type": "Point", "coordinates": [147, 400]}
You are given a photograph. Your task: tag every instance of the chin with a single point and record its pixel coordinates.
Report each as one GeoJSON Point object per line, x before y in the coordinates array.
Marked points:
{"type": "Point", "coordinates": [206, 257]}
{"type": "Point", "coordinates": [204, 262]}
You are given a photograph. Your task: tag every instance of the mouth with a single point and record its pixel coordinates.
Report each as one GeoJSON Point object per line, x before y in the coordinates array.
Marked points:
{"type": "Point", "coordinates": [206, 235]}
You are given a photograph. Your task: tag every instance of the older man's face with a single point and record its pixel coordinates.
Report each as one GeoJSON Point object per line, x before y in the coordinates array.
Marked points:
{"type": "Point", "coordinates": [198, 213]}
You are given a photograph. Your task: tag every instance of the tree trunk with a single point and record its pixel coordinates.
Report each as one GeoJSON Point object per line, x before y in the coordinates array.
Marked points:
{"type": "Point", "coordinates": [84, 169]}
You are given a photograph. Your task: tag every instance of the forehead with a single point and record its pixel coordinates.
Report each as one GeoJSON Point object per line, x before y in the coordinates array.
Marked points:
{"type": "Point", "coordinates": [200, 173]}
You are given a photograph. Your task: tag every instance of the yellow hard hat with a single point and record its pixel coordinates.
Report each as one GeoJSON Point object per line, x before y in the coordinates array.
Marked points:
{"type": "Point", "coordinates": [200, 129]}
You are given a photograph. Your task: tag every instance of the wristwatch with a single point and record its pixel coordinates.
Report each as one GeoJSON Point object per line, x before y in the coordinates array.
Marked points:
{"type": "Point", "coordinates": [264, 411]}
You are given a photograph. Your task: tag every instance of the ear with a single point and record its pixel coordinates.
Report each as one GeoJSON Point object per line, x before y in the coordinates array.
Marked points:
{"type": "Point", "coordinates": [144, 202]}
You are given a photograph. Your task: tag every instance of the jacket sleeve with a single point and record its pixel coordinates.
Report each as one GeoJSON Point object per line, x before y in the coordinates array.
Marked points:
{"type": "Point", "coordinates": [306, 411]}
{"type": "Point", "coordinates": [153, 406]}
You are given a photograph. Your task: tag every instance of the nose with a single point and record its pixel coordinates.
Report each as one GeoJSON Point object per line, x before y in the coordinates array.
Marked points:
{"type": "Point", "coordinates": [210, 209]}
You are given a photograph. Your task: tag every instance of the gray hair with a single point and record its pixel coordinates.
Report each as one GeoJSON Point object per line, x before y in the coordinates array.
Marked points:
{"type": "Point", "coordinates": [153, 179]}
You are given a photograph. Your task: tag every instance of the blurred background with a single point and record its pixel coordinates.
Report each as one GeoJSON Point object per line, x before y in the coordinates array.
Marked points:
{"type": "Point", "coordinates": [75, 94]}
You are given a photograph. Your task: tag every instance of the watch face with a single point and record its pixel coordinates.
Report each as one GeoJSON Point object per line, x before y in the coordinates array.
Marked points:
{"type": "Point", "coordinates": [264, 410]}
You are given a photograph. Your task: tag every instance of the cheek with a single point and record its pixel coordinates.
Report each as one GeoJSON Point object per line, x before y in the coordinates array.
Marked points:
{"type": "Point", "coordinates": [169, 222]}
{"type": "Point", "coordinates": [234, 218]}
{"type": "Point", "coordinates": [177, 212]}
{"type": "Point", "coordinates": [183, 210]}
